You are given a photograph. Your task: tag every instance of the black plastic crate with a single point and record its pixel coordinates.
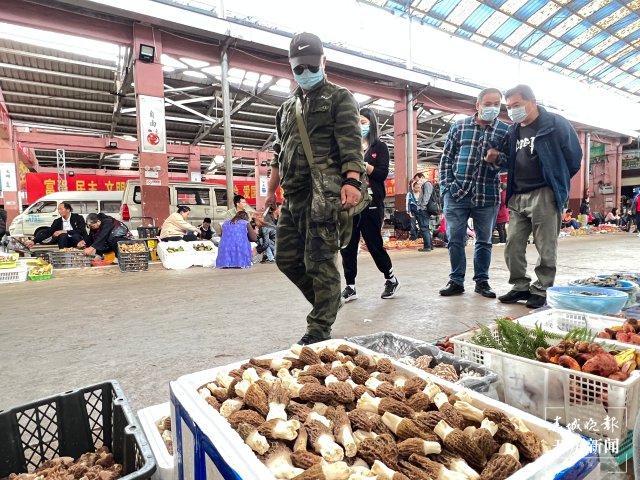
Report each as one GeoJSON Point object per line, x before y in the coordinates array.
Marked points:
{"type": "Point", "coordinates": [148, 232]}
{"type": "Point", "coordinates": [133, 262]}
{"type": "Point", "coordinates": [70, 259]}
{"type": "Point", "coordinates": [73, 423]}
{"type": "Point", "coordinates": [44, 254]}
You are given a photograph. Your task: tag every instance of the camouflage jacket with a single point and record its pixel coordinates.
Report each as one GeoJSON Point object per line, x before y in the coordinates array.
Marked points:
{"type": "Point", "coordinates": [333, 123]}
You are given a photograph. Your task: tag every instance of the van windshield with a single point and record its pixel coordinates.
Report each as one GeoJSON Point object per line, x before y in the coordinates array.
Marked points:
{"type": "Point", "coordinates": [43, 207]}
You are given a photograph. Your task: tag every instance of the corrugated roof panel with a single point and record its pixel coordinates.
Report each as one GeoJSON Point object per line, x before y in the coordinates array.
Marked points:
{"type": "Point", "coordinates": [556, 68]}
{"type": "Point", "coordinates": [510, 7]}
{"type": "Point", "coordinates": [518, 35]}
{"type": "Point", "coordinates": [580, 60]}
{"type": "Point", "coordinates": [623, 54]}
{"type": "Point", "coordinates": [610, 8]}
{"type": "Point", "coordinates": [572, 56]}
{"type": "Point", "coordinates": [464, 10]}
{"type": "Point", "coordinates": [599, 38]}
{"type": "Point", "coordinates": [506, 29]}
{"type": "Point", "coordinates": [626, 26]}
{"type": "Point", "coordinates": [432, 21]}
{"type": "Point", "coordinates": [632, 65]}
{"type": "Point", "coordinates": [492, 24]}
{"type": "Point", "coordinates": [558, 17]}
{"type": "Point", "coordinates": [492, 44]}
{"type": "Point", "coordinates": [424, 5]}
{"type": "Point", "coordinates": [606, 43]}
{"type": "Point", "coordinates": [565, 26]}
{"type": "Point", "coordinates": [481, 15]}
{"type": "Point", "coordinates": [600, 70]}
{"type": "Point", "coordinates": [587, 66]}
{"type": "Point", "coordinates": [540, 45]}
{"type": "Point", "coordinates": [541, 15]}
{"type": "Point", "coordinates": [580, 29]}
{"type": "Point", "coordinates": [613, 49]}
{"type": "Point", "coordinates": [586, 36]}
{"type": "Point", "coordinates": [463, 33]}
{"type": "Point", "coordinates": [633, 86]}
{"type": "Point", "coordinates": [578, 4]}
{"type": "Point", "coordinates": [444, 7]}
{"type": "Point", "coordinates": [613, 18]}
{"type": "Point", "coordinates": [589, 7]}
{"type": "Point", "coordinates": [495, 4]}
{"type": "Point", "coordinates": [551, 50]}
{"type": "Point", "coordinates": [561, 54]}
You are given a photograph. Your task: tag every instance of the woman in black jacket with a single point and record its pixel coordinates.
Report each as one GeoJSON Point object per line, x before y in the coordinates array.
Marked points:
{"type": "Point", "coordinates": [104, 234]}
{"type": "Point", "coordinates": [369, 222]}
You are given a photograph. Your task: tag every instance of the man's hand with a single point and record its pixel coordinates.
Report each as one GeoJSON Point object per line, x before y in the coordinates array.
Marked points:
{"type": "Point", "coordinates": [492, 156]}
{"type": "Point", "coordinates": [270, 202]}
{"type": "Point", "coordinates": [89, 251]}
{"type": "Point", "coordinates": [350, 196]}
{"type": "Point", "coordinates": [29, 243]}
{"type": "Point", "coordinates": [81, 244]}
{"type": "Point", "coordinates": [58, 232]}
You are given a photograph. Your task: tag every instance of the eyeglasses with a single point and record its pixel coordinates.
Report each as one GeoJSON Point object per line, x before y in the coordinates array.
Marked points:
{"type": "Point", "coordinates": [300, 68]}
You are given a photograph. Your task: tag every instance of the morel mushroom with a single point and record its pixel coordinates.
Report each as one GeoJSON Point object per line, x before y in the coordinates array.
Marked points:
{"type": "Point", "coordinates": [435, 470]}
{"type": "Point", "coordinates": [326, 471]}
{"type": "Point", "coordinates": [347, 350]}
{"type": "Point", "coordinates": [300, 410]}
{"type": "Point", "coordinates": [414, 385]}
{"type": "Point", "coordinates": [419, 401]}
{"type": "Point", "coordinates": [310, 392]}
{"type": "Point", "coordinates": [213, 402]}
{"type": "Point", "coordinates": [457, 442]}
{"type": "Point", "coordinates": [506, 430]}
{"type": "Point", "coordinates": [249, 433]}
{"type": "Point", "coordinates": [278, 400]}
{"type": "Point", "coordinates": [342, 431]}
{"type": "Point", "coordinates": [528, 444]}
{"type": "Point", "coordinates": [413, 472]}
{"type": "Point", "coordinates": [429, 420]}
{"type": "Point", "coordinates": [483, 437]}
{"type": "Point", "coordinates": [360, 420]}
{"type": "Point", "coordinates": [361, 472]}
{"type": "Point", "coordinates": [454, 417]}
{"type": "Point", "coordinates": [304, 459]}
{"type": "Point", "coordinates": [256, 399]}
{"type": "Point", "coordinates": [342, 392]}
{"type": "Point", "coordinates": [323, 441]}
{"type": "Point", "coordinates": [309, 356]}
{"type": "Point", "coordinates": [320, 418]}
{"type": "Point", "coordinates": [404, 427]}
{"type": "Point", "coordinates": [245, 416]}
{"type": "Point", "coordinates": [381, 405]}
{"type": "Point", "coordinates": [385, 473]}
{"type": "Point", "coordinates": [220, 393]}
{"type": "Point", "coordinates": [341, 373]}
{"type": "Point", "coordinates": [418, 446]}
{"type": "Point", "coordinates": [360, 390]}
{"type": "Point", "coordinates": [361, 435]}
{"type": "Point", "coordinates": [456, 464]}
{"type": "Point", "coordinates": [502, 465]}
{"type": "Point", "coordinates": [359, 375]}
{"type": "Point", "coordinates": [327, 355]}
{"type": "Point", "coordinates": [384, 389]}
{"type": "Point", "coordinates": [468, 411]}
{"type": "Point", "coordinates": [277, 429]}
{"type": "Point", "coordinates": [274, 364]}
{"type": "Point", "coordinates": [224, 379]}
{"type": "Point", "coordinates": [231, 406]}
{"type": "Point", "coordinates": [278, 461]}
{"type": "Point", "coordinates": [446, 372]}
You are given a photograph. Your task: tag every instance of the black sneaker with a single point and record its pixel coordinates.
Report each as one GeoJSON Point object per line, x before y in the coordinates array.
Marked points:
{"type": "Point", "coordinates": [425, 249]}
{"type": "Point", "coordinates": [451, 289]}
{"type": "Point", "coordinates": [390, 289]}
{"type": "Point", "coordinates": [536, 301]}
{"type": "Point", "coordinates": [348, 294]}
{"type": "Point", "coordinates": [514, 296]}
{"type": "Point", "coordinates": [484, 289]}
{"type": "Point", "coordinates": [308, 339]}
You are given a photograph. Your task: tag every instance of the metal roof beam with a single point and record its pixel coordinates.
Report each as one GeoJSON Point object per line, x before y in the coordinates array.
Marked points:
{"type": "Point", "coordinates": [57, 109]}
{"type": "Point", "coordinates": [122, 87]}
{"type": "Point", "coordinates": [43, 71]}
{"type": "Point", "coordinates": [54, 98]}
{"type": "Point", "coordinates": [57, 119]}
{"type": "Point", "coordinates": [23, 53]}
{"type": "Point", "coordinates": [53, 85]}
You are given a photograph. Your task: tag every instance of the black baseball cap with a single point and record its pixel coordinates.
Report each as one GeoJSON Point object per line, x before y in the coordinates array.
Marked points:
{"type": "Point", "coordinates": [305, 49]}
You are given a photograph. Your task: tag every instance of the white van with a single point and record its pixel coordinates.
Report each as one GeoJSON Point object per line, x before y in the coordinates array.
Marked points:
{"type": "Point", "coordinates": [42, 213]}
{"type": "Point", "coordinates": [204, 200]}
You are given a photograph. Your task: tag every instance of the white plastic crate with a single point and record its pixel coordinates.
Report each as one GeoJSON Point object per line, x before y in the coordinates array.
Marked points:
{"type": "Point", "coordinates": [555, 393]}
{"type": "Point", "coordinates": [207, 448]}
{"type": "Point", "coordinates": [175, 260]}
{"type": "Point", "coordinates": [13, 275]}
{"type": "Point", "coordinates": [164, 460]}
{"type": "Point", "coordinates": [204, 258]}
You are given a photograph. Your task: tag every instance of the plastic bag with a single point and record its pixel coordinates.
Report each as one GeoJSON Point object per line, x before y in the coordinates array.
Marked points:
{"type": "Point", "coordinates": [398, 346]}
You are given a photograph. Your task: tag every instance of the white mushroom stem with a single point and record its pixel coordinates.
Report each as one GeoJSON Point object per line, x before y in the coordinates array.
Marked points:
{"type": "Point", "coordinates": [286, 430]}
{"type": "Point", "coordinates": [519, 424]}
{"type": "Point", "coordinates": [278, 363]}
{"type": "Point", "coordinates": [257, 442]}
{"type": "Point", "coordinates": [382, 471]}
{"type": "Point", "coordinates": [321, 418]}
{"type": "Point", "coordinates": [350, 365]}
{"type": "Point", "coordinates": [360, 463]}
{"type": "Point", "coordinates": [250, 375]}
{"type": "Point", "coordinates": [320, 408]}
{"type": "Point", "coordinates": [359, 472]}
{"type": "Point", "coordinates": [432, 390]}
{"type": "Point", "coordinates": [331, 379]}
{"type": "Point", "coordinates": [373, 383]}
{"type": "Point", "coordinates": [546, 446]}
{"type": "Point", "coordinates": [230, 406]}
{"type": "Point", "coordinates": [296, 349]}
{"type": "Point", "coordinates": [368, 403]}
{"type": "Point", "coordinates": [335, 471]}
{"type": "Point", "coordinates": [442, 430]}
{"type": "Point", "coordinates": [489, 425]}
{"type": "Point", "coordinates": [469, 431]}
{"type": "Point", "coordinates": [204, 392]}
{"type": "Point", "coordinates": [166, 435]}
{"type": "Point", "coordinates": [509, 449]}
{"type": "Point", "coordinates": [213, 388]}
{"type": "Point", "coordinates": [463, 394]}
{"type": "Point", "coordinates": [277, 410]}
{"type": "Point", "coordinates": [344, 436]}
{"type": "Point", "coordinates": [440, 399]}
{"type": "Point", "coordinates": [460, 466]}
{"type": "Point", "coordinates": [329, 449]}
{"type": "Point", "coordinates": [392, 421]}
{"type": "Point", "coordinates": [268, 377]}
{"type": "Point", "coordinates": [399, 381]}
{"type": "Point", "coordinates": [351, 383]}
{"type": "Point", "coordinates": [281, 467]}
{"type": "Point", "coordinates": [242, 387]}
{"type": "Point", "coordinates": [224, 379]}
{"type": "Point", "coordinates": [335, 364]}
{"type": "Point", "coordinates": [362, 435]}
{"type": "Point", "coordinates": [468, 411]}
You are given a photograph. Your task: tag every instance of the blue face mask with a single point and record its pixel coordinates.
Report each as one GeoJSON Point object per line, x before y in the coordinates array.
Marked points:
{"type": "Point", "coordinates": [489, 114]}
{"type": "Point", "coordinates": [364, 130]}
{"type": "Point", "coordinates": [517, 114]}
{"type": "Point", "coordinates": [308, 80]}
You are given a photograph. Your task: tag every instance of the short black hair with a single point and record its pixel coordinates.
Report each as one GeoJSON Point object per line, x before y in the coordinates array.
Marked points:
{"type": "Point", "coordinates": [206, 220]}
{"type": "Point", "coordinates": [67, 206]}
{"type": "Point", "coordinates": [418, 175]}
{"type": "Point", "coordinates": [569, 211]}
{"type": "Point", "coordinates": [370, 115]}
{"type": "Point", "coordinates": [183, 208]}
{"type": "Point", "coordinates": [487, 91]}
{"type": "Point", "coordinates": [237, 199]}
{"type": "Point", "coordinates": [524, 91]}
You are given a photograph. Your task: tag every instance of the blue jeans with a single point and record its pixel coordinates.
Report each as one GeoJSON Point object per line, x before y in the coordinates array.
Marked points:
{"type": "Point", "coordinates": [457, 214]}
{"type": "Point", "coordinates": [423, 221]}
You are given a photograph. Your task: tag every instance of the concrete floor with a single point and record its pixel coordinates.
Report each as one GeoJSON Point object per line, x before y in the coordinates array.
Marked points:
{"type": "Point", "coordinates": [146, 329]}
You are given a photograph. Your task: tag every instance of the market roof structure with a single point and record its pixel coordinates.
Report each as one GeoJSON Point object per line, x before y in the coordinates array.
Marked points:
{"type": "Point", "coordinates": [591, 40]}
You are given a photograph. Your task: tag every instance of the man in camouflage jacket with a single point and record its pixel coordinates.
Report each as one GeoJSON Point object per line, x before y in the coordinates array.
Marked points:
{"type": "Point", "coordinates": [307, 240]}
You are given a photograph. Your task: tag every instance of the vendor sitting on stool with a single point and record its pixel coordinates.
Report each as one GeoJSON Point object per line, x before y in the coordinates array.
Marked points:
{"type": "Point", "coordinates": [206, 231]}
{"type": "Point", "coordinates": [104, 234]}
{"type": "Point", "coordinates": [68, 231]}
{"type": "Point", "coordinates": [176, 227]}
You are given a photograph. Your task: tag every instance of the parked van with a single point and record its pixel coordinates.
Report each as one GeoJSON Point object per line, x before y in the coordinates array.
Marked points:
{"type": "Point", "coordinates": [42, 213]}
{"type": "Point", "coordinates": [204, 199]}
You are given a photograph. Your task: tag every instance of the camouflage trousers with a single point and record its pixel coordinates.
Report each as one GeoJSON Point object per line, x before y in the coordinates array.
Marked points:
{"type": "Point", "coordinates": [306, 252]}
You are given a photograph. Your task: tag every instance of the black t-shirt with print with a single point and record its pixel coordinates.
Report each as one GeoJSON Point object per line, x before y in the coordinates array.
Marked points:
{"type": "Point", "coordinates": [528, 169]}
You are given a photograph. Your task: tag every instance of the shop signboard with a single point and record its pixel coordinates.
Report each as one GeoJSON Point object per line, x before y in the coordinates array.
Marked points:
{"type": "Point", "coordinates": [631, 160]}
{"type": "Point", "coordinates": [8, 181]}
{"type": "Point", "coordinates": [152, 125]}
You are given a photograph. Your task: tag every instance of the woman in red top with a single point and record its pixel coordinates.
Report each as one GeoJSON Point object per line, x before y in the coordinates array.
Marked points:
{"type": "Point", "coordinates": [503, 215]}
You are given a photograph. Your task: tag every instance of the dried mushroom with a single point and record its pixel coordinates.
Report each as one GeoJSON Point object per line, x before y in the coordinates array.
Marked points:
{"type": "Point", "coordinates": [256, 398]}
{"type": "Point", "coordinates": [381, 405]}
{"type": "Point", "coordinates": [429, 420]}
{"type": "Point", "coordinates": [342, 392]}
{"type": "Point", "coordinates": [528, 444]}
{"type": "Point", "coordinates": [327, 355]}
{"type": "Point", "coordinates": [341, 373]}
{"type": "Point", "coordinates": [278, 400]}
{"type": "Point", "coordinates": [503, 464]}
{"type": "Point", "coordinates": [309, 356]}
{"type": "Point", "coordinates": [305, 459]}
{"type": "Point", "coordinates": [414, 385]}
{"type": "Point", "coordinates": [403, 427]}
{"type": "Point", "coordinates": [360, 420]}
{"type": "Point", "coordinates": [446, 371]}
{"type": "Point", "coordinates": [483, 437]}
{"type": "Point", "coordinates": [231, 406]}
{"type": "Point", "coordinates": [326, 471]}
{"type": "Point", "coordinates": [98, 465]}
{"type": "Point", "coordinates": [454, 418]}
{"type": "Point", "coordinates": [506, 430]}
{"type": "Point", "coordinates": [457, 442]}
{"type": "Point", "coordinates": [347, 350]}
{"type": "Point", "coordinates": [385, 365]}
{"type": "Point", "coordinates": [245, 416]}
{"type": "Point", "coordinates": [300, 410]}
{"type": "Point", "coordinates": [435, 470]}
{"type": "Point", "coordinates": [342, 431]}
{"type": "Point", "coordinates": [252, 438]}
{"type": "Point", "coordinates": [311, 392]}
{"type": "Point", "coordinates": [323, 441]}
{"type": "Point", "coordinates": [359, 375]}
{"type": "Point", "coordinates": [419, 402]}
{"type": "Point", "coordinates": [317, 370]}
{"type": "Point", "coordinates": [418, 446]}
{"type": "Point", "coordinates": [385, 473]}
{"type": "Point", "coordinates": [278, 461]}
{"type": "Point", "coordinates": [277, 429]}
{"type": "Point", "coordinates": [381, 448]}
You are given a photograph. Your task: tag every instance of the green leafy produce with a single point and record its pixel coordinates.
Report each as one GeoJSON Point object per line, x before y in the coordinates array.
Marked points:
{"type": "Point", "coordinates": [515, 339]}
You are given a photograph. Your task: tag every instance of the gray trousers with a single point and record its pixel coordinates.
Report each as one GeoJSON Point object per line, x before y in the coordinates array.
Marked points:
{"type": "Point", "coordinates": [533, 212]}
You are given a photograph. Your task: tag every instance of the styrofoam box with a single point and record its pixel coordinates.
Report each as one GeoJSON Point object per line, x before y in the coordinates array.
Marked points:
{"type": "Point", "coordinates": [164, 460]}
{"type": "Point", "coordinates": [175, 260]}
{"type": "Point", "coordinates": [552, 392]}
{"type": "Point", "coordinates": [207, 448]}
{"type": "Point", "coordinates": [205, 258]}
{"type": "Point", "coordinates": [563, 321]}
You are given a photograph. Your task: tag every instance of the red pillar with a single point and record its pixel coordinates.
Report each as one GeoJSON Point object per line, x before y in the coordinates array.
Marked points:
{"type": "Point", "coordinates": [194, 169]}
{"type": "Point", "coordinates": [9, 178]}
{"type": "Point", "coordinates": [576, 192]}
{"type": "Point", "coordinates": [154, 167]}
{"type": "Point", "coordinates": [400, 136]}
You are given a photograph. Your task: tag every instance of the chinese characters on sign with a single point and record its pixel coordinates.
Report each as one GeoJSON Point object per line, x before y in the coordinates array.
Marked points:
{"type": "Point", "coordinates": [8, 178]}
{"type": "Point", "coordinates": [152, 125]}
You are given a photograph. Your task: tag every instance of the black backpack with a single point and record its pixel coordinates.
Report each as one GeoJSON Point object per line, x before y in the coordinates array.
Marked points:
{"type": "Point", "coordinates": [433, 205]}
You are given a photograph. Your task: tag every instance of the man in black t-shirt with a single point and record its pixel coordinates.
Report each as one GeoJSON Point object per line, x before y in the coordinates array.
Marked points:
{"type": "Point", "coordinates": [543, 154]}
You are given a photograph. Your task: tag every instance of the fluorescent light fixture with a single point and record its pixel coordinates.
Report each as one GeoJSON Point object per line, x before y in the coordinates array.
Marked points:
{"type": "Point", "coordinates": [126, 156]}
{"type": "Point", "coordinates": [236, 72]}
{"type": "Point", "coordinates": [126, 161]}
{"type": "Point", "coordinates": [193, 73]}
{"type": "Point", "coordinates": [168, 69]}
{"type": "Point", "coordinates": [194, 63]}
{"type": "Point", "coordinates": [266, 78]}
{"type": "Point", "coordinates": [284, 82]}
{"type": "Point", "coordinates": [218, 159]}
{"type": "Point", "coordinates": [252, 76]}
{"type": "Point", "coordinates": [216, 70]}
{"type": "Point", "coordinates": [171, 62]}
{"type": "Point", "coordinates": [249, 83]}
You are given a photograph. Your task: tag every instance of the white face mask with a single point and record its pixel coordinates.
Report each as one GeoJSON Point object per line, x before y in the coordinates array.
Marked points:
{"type": "Point", "coordinates": [517, 114]}
{"type": "Point", "coordinates": [489, 114]}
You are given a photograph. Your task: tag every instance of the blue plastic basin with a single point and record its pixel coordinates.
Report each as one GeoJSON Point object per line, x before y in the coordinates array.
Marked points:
{"type": "Point", "coordinates": [609, 300]}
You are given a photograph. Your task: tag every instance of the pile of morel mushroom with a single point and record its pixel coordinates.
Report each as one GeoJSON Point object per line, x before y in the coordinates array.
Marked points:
{"type": "Point", "coordinates": [337, 414]}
